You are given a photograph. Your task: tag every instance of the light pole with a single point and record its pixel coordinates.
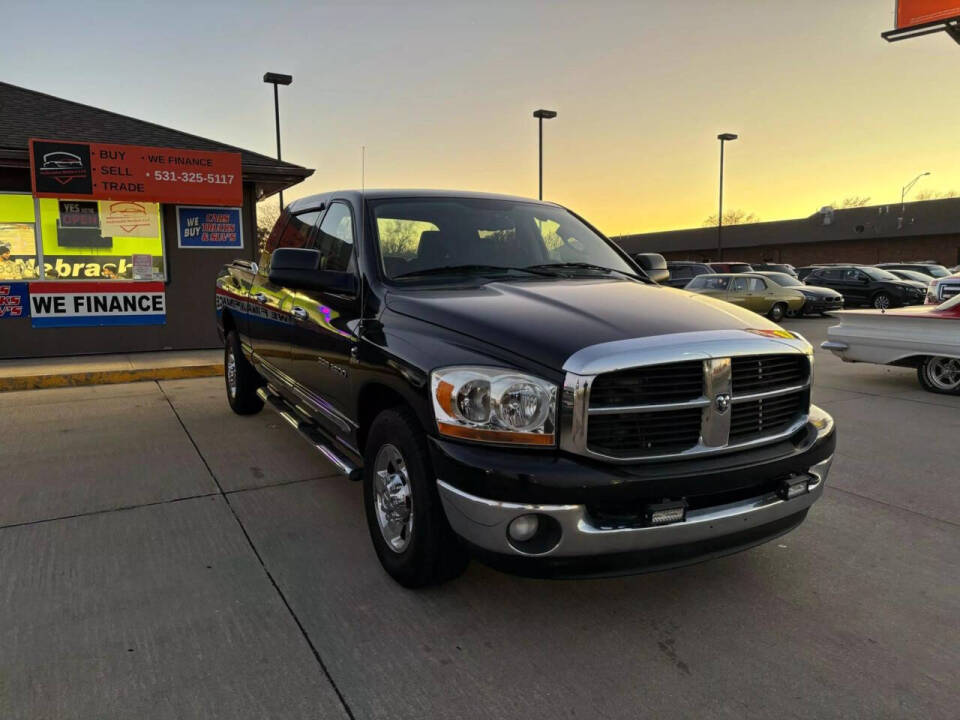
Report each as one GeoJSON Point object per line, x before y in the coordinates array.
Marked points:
{"type": "Point", "coordinates": [276, 79]}
{"type": "Point", "coordinates": [722, 137]}
{"type": "Point", "coordinates": [906, 189]}
{"type": "Point", "coordinates": [542, 115]}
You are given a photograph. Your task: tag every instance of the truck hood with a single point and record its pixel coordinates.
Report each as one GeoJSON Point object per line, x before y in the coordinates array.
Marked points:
{"type": "Point", "coordinates": [549, 320]}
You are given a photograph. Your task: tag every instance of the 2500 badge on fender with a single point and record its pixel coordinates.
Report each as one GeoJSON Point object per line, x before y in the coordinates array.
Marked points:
{"type": "Point", "coordinates": [514, 388]}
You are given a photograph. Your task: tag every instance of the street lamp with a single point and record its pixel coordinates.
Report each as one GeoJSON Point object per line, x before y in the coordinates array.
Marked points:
{"type": "Point", "coordinates": [542, 115]}
{"type": "Point", "coordinates": [722, 137]}
{"type": "Point", "coordinates": [906, 189]}
{"type": "Point", "coordinates": [277, 79]}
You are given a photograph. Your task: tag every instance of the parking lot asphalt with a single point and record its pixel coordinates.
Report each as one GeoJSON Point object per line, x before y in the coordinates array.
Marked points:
{"type": "Point", "coordinates": [161, 557]}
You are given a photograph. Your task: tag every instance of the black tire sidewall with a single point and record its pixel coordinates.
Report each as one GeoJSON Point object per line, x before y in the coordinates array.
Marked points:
{"type": "Point", "coordinates": [925, 382]}
{"type": "Point", "coordinates": [873, 300]}
{"type": "Point", "coordinates": [773, 312]}
{"type": "Point", "coordinates": [433, 547]}
{"type": "Point", "coordinates": [246, 401]}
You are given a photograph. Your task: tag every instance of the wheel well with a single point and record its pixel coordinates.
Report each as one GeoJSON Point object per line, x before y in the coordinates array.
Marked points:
{"type": "Point", "coordinates": [373, 400]}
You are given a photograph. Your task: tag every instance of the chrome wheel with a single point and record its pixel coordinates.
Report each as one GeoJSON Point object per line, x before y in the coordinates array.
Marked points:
{"type": "Point", "coordinates": [231, 370]}
{"type": "Point", "coordinates": [882, 302]}
{"type": "Point", "coordinates": [393, 498]}
{"type": "Point", "coordinates": [943, 373]}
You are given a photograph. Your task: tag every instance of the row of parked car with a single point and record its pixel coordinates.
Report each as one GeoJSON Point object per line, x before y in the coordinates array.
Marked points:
{"type": "Point", "coordinates": [779, 290]}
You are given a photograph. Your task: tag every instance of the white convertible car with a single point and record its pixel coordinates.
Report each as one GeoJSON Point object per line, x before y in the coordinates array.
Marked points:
{"type": "Point", "coordinates": [923, 336]}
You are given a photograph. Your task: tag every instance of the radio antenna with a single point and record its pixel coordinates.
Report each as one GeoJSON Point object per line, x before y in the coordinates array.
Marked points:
{"type": "Point", "coordinates": [363, 168]}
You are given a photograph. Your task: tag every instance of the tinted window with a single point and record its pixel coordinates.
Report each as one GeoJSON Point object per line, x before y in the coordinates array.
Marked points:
{"type": "Point", "coordinates": [832, 274]}
{"type": "Point", "coordinates": [876, 274]}
{"type": "Point", "coordinates": [335, 239]}
{"type": "Point", "coordinates": [683, 271]}
{"type": "Point", "coordinates": [293, 232]}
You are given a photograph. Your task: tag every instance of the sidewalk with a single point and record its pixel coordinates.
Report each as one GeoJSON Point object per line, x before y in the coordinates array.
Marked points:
{"type": "Point", "coordinates": [36, 373]}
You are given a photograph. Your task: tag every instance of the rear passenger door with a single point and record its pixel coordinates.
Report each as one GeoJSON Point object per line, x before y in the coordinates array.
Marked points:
{"type": "Point", "coordinates": [738, 293]}
{"type": "Point", "coordinates": [270, 321]}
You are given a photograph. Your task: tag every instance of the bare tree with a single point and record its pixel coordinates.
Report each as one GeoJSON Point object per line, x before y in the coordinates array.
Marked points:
{"type": "Point", "coordinates": [733, 217]}
{"type": "Point", "coordinates": [935, 194]}
{"type": "Point", "coordinates": [267, 214]}
{"type": "Point", "coordinates": [853, 201]}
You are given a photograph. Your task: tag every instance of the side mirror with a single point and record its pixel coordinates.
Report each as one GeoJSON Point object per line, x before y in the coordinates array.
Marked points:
{"type": "Point", "coordinates": [299, 269]}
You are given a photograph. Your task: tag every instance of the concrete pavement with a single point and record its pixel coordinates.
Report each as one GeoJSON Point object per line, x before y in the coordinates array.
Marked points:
{"type": "Point", "coordinates": [162, 557]}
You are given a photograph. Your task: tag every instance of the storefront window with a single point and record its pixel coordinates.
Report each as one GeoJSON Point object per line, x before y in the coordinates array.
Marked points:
{"type": "Point", "coordinates": [102, 240]}
{"type": "Point", "coordinates": [18, 239]}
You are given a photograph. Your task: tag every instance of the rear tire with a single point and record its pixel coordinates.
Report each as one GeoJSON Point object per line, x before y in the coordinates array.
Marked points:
{"type": "Point", "coordinates": [241, 379]}
{"type": "Point", "coordinates": [940, 375]}
{"type": "Point", "coordinates": [408, 527]}
{"type": "Point", "coordinates": [777, 312]}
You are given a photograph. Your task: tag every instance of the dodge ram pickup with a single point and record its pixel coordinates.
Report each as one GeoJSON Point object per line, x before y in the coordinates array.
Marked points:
{"type": "Point", "coordinates": [509, 385]}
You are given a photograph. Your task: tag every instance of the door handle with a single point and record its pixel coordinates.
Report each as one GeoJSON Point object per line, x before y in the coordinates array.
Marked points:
{"type": "Point", "coordinates": [298, 313]}
{"type": "Point", "coordinates": [260, 298]}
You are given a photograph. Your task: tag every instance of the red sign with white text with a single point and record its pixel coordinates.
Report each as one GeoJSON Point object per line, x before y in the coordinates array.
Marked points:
{"type": "Point", "coordinates": [919, 12]}
{"type": "Point", "coordinates": [101, 171]}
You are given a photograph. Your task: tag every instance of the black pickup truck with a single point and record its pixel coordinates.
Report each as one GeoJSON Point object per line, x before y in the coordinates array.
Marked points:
{"type": "Point", "coordinates": [508, 384]}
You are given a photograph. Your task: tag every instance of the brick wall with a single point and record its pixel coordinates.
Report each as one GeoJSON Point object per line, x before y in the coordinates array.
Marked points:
{"type": "Point", "coordinates": [945, 249]}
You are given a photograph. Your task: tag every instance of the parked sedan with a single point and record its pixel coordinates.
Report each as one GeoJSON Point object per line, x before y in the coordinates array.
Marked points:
{"type": "Point", "coordinates": [931, 269]}
{"type": "Point", "coordinates": [926, 337]}
{"type": "Point", "coordinates": [818, 299]}
{"type": "Point", "coordinates": [752, 291]}
{"type": "Point", "coordinates": [912, 275]}
{"type": "Point", "coordinates": [866, 285]}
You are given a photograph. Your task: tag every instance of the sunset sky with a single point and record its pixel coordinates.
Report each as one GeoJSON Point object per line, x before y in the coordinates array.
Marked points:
{"type": "Point", "coordinates": [441, 94]}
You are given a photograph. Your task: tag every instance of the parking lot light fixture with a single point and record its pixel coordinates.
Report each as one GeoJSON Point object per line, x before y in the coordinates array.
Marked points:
{"type": "Point", "coordinates": [542, 115]}
{"type": "Point", "coordinates": [276, 79]}
{"type": "Point", "coordinates": [723, 138]}
{"type": "Point", "coordinates": [906, 188]}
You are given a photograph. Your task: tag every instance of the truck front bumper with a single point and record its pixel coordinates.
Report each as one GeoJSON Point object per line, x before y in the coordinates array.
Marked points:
{"type": "Point", "coordinates": [591, 538]}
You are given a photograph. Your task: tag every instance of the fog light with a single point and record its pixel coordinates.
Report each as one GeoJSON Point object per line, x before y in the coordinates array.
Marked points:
{"type": "Point", "coordinates": [524, 527]}
{"type": "Point", "coordinates": [665, 513]}
{"type": "Point", "coordinates": [792, 487]}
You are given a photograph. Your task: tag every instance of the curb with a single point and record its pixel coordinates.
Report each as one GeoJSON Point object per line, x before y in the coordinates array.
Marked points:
{"type": "Point", "coordinates": [108, 377]}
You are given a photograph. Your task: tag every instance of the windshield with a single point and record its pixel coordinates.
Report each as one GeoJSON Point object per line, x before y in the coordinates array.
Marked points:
{"type": "Point", "coordinates": [912, 275]}
{"type": "Point", "coordinates": [452, 237]}
{"type": "Point", "coordinates": [937, 271]}
{"type": "Point", "coordinates": [878, 274]}
{"type": "Point", "coordinates": [784, 279]}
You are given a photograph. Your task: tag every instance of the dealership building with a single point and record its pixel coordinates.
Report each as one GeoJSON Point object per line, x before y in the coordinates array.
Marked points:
{"type": "Point", "coordinates": [113, 229]}
{"type": "Point", "coordinates": [927, 230]}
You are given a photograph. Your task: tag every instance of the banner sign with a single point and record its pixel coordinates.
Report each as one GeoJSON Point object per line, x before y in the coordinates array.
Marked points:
{"type": "Point", "coordinates": [209, 227]}
{"type": "Point", "coordinates": [101, 171]}
{"type": "Point", "coordinates": [91, 304]}
{"type": "Point", "coordinates": [14, 300]}
{"type": "Point", "coordinates": [920, 12]}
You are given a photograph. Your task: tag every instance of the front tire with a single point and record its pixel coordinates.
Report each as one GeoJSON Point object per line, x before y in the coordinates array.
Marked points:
{"type": "Point", "coordinates": [882, 301]}
{"type": "Point", "coordinates": [940, 375]}
{"type": "Point", "coordinates": [777, 312]}
{"type": "Point", "coordinates": [241, 379]}
{"type": "Point", "coordinates": [408, 527]}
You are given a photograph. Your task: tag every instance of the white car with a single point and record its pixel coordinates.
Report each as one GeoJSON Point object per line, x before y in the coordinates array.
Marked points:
{"type": "Point", "coordinates": [923, 336]}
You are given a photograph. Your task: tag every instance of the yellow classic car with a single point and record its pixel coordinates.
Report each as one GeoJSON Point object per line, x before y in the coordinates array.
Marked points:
{"type": "Point", "coordinates": [751, 291]}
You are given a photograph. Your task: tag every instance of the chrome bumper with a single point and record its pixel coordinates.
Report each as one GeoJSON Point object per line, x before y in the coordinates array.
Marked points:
{"type": "Point", "coordinates": [484, 522]}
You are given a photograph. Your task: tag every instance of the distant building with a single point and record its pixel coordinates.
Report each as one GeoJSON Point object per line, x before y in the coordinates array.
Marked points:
{"type": "Point", "coordinates": [927, 230]}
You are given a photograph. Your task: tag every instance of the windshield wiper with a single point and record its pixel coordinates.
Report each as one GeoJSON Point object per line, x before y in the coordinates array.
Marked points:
{"type": "Point", "coordinates": [583, 266]}
{"type": "Point", "coordinates": [472, 268]}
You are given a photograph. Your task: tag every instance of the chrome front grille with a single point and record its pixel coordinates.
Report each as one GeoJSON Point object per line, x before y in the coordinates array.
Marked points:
{"type": "Point", "coordinates": [948, 290]}
{"type": "Point", "coordinates": [671, 410]}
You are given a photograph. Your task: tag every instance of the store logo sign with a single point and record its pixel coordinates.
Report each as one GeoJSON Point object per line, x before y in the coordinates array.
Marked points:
{"type": "Point", "coordinates": [62, 167]}
{"type": "Point", "coordinates": [128, 216]}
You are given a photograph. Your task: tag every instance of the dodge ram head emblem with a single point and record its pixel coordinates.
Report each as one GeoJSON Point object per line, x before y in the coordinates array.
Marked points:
{"type": "Point", "coordinates": [722, 402]}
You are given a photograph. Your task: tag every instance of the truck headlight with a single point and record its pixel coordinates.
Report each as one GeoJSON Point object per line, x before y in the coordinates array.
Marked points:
{"type": "Point", "coordinates": [494, 405]}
